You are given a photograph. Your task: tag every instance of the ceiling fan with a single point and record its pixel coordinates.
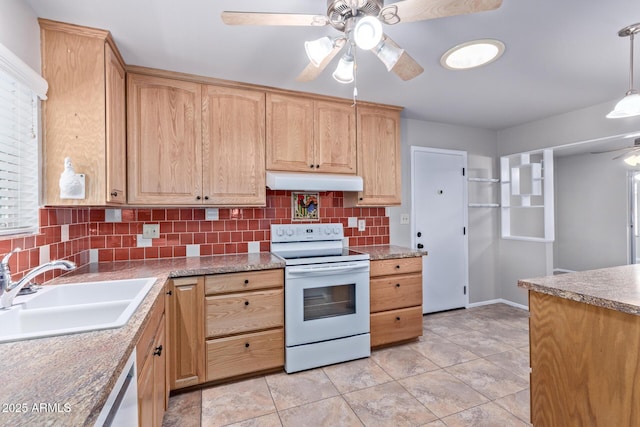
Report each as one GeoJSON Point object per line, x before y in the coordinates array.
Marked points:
{"type": "Point", "coordinates": [626, 151]}
{"type": "Point", "coordinates": [361, 21]}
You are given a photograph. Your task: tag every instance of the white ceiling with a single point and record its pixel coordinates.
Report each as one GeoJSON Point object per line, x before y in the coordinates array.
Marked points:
{"type": "Point", "coordinates": [560, 55]}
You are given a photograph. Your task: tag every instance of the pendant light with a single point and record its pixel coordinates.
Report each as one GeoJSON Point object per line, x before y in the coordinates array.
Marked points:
{"type": "Point", "coordinates": [628, 106]}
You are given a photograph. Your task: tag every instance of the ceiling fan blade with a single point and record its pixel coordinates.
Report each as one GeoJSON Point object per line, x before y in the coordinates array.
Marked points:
{"type": "Point", "coordinates": [258, 18]}
{"type": "Point", "coordinates": [405, 67]}
{"type": "Point", "coordinates": [418, 10]}
{"type": "Point", "coordinates": [613, 150]}
{"type": "Point", "coordinates": [631, 151]}
{"type": "Point", "coordinates": [311, 72]}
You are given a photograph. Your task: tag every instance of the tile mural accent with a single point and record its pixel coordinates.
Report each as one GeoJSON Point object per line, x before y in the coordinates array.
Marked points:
{"type": "Point", "coordinates": [305, 206]}
{"type": "Point", "coordinates": [179, 227]}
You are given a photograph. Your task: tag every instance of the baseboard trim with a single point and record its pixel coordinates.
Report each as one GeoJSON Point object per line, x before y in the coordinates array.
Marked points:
{"type": "Point", "coordinates": [498, 301]}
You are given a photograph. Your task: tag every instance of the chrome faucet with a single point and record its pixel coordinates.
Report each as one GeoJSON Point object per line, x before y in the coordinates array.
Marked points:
{"type": "Point", "coordinates": [9, 289]}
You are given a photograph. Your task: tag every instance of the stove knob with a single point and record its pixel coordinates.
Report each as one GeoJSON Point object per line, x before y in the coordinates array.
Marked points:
{"type": "Point", "coordinates": [327, 230]}
{"type": "Point", "coordinates": [280, 231]}
{"type": "Point", "coordinates": [336, 230]}
{"type": "Point", "coordinates": [289, 232]}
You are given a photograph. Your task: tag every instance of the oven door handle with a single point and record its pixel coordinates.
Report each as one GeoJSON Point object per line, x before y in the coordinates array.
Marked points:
{"type": "Point", "coordinates": [326, 269]}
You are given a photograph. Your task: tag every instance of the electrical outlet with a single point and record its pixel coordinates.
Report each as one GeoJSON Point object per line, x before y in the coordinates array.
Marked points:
{"type": "Point", "coordinates": [211, 214]}
{"type": "Point", "coordinates": [362, 224]}
{"type": "Point", "coordinates": [151, 231]}
{"type": "Point", "coordinates": [352, 221]}
{"type": "Point", "coordinates": [404, 219]}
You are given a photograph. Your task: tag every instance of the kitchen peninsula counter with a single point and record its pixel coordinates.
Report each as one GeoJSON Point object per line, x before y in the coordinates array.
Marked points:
{"type": "Point", "coordinates": [65, 380]}
{"type": "Point", "coordinates": [584, 331]}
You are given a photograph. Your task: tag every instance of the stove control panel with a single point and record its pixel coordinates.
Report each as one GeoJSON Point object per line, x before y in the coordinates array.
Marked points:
{"type": "Point", "coordinates": [306, 232]}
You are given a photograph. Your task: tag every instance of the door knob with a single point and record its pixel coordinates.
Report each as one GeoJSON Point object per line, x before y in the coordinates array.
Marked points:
{"type": "Point", "coordinates": [419, 234]}
{"type": "Point", "coordinates": [420, 246]}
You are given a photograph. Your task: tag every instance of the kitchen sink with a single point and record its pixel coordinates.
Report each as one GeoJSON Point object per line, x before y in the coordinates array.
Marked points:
{"type": "Point", "coordinates": [66, 309]}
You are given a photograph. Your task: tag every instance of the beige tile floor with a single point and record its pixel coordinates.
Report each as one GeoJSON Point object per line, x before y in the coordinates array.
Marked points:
{"type": "Point", "coordinates": [470, 368]}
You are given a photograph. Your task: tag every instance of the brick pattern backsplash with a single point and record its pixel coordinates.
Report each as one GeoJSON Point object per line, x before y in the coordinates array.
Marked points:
{"type": "Point", "coordinates": [179, 228]}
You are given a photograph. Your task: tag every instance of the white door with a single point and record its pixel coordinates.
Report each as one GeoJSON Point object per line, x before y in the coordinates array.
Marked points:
{"type": "Point", "coordinates": [439, 212]}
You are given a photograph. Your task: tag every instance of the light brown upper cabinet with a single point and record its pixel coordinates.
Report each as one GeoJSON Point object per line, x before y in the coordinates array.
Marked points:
{"type": "Point", "coordinates": [164, 141]}
{"type": "Point", "coordinates": [192, 144]}
{"type": "Point", "coordinates": [84, 115]}
{"type": "Point", "coordinates": [307, 135]}
{"type": "Point", "coordinates": [233, 171]}
{"type": "Point", "coordinates": [378, 157]}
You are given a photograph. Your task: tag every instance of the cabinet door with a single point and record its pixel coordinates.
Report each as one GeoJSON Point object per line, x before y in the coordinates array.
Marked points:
{"type": "Point", "coordinates": [379, 156]}
{"type": "Point", "coordinates": [289, 133]}
{"type": "Point", "coordinates": [165, 141]}
{"type": "Point", "coordinates": [115, 128]}
{"type": "Point", "coordinates": [335, 137]}
{"type": "Point", "coordinates": [186, 331]}
{"type": "Point", "coordinates": [145, 393]}
{"type": "Point", "coordinates": [233, 135]}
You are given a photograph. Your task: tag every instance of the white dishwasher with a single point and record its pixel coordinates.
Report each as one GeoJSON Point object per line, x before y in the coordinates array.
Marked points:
{"type": "Point", "coordinates": [121, 407]}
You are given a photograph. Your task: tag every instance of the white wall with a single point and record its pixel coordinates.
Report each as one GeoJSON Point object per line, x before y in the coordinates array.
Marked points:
{"type": "Point", "coordinates": [19, 31]}
{"type": "Point", "coordinates": [518, 259]}
{"type": "Point", "coordinates": [480, 144]}
{"type": "Point", "coordinates": [591, 212]}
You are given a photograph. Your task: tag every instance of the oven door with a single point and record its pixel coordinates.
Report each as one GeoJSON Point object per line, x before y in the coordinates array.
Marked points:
{"type": "Point", "coordinates": [326, 301]}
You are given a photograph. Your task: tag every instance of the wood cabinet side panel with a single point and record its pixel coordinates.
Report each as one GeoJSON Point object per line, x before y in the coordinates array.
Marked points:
{"type": "Point", "coordinates": [233, 135]}
{"type": "Point", "coordinates": [74, 114]}
{"type": "Point", "coordinates": [116, 131]}
{"type": "Point", "coordinates": [585, 364]}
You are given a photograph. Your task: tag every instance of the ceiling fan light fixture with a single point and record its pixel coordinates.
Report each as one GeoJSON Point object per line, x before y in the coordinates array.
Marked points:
{"type": "Point", "coordinates": [632, 160]}
{"type": "Point", "coordinates": [318, 50]}
{"type": "Point", "coordinates": [472, 54]}
{"type": "Point", "coordinates": [344, 72]}
{"type": "Point", "coordinates": [367, 33]}
{"type": "Point", "coordinates": [388, 53]}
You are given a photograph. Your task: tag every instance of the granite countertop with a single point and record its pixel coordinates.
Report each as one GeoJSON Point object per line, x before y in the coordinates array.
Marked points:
{"type": "Point", "coordinates": [65, 380]}
{"type": "Point", "coordinates": [616, 288]}
{"type": "Point", "coordinates": [377, 252]}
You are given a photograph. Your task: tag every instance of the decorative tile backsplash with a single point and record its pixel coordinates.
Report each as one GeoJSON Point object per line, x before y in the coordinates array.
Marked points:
{"type": "Point", "coordinates": [69, 233]}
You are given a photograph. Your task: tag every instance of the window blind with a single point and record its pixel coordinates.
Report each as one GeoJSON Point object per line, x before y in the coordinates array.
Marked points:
{"type": "Point", "coordinates": [19, 148]}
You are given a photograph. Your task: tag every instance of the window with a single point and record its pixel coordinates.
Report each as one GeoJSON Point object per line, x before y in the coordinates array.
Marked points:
{"type": "Point", "coordinates": [19, 162]}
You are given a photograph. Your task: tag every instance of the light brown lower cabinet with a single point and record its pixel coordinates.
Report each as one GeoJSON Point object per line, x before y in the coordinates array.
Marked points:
{"type": "Point", "coordinates": [151, 361]}
{"type": "Point", "coordinates": [395, 300]}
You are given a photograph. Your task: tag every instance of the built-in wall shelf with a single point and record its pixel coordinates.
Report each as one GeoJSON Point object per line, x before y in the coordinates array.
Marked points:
{"type": "Point", "coordinates": [483, 179]}
{"type": "Point", "coordinates": [484, 205]}
{"type": "Point", "coordinates": [484, 192]}
{"type": "Point", "coordinates": [526, 196]}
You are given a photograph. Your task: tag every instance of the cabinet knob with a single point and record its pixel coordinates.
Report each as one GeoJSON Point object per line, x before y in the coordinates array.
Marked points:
{"type": "Point", "coordinates": [311, 166]}
{"type": "Point", "coordinates": [398, 318]}
{"type": "Point", "coordinates": [360, 198]}
{"type": "Point", "coordinates": [317, 166]}
{"type": "Point", "coordinates": [397, 285]}
{"type": "Point", "coordinates": [169, 292]}
{"type": "Point", "coordinates": [246, 303]}
{"type": "Point", "coordinates": [246, 281]}
{"type": "Point", "coordinates": [397, 267]}
{"type": "Point", "coordinates": [246, 345]}
{"type": "Point", "coordinates": [158, 350]}
{"type": "Point", "coordinates": [114, 194]}
{"type": "Point", "coordinates": [206, 197]}
{"type": "Point", "coordinates": [198, 197]}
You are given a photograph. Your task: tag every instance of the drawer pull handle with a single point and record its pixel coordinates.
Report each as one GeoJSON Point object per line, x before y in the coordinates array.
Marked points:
{"type": "Point", "coordinates": [158, 351]}
{"type": "Point", "coordinates": [246, 303]}
{"type": "Point", "coordinates": [398, 318]}
{"type": "Point", "coordinates": [114, 194]}
{"type": "Point", "coordinates": [246, 345]}
{"type": "Point", "coordinates": [169, 292]}
{"type": "Point", "coordinates": [397, 267]}
{"type": "Point", "coordinates": [397, 285]}
{"type": "Point", "coordinates": [246, 281]}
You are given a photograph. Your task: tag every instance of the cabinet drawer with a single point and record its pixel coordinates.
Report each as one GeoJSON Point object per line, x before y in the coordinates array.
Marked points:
{"type": "Point", "coordinates": [243, 354]}
{"type": "Point", "coordinates": [396, 325]}
{"type": "Point", "coordinates": [385, 267]}
{"type": "Point", "coordinates": [242, 312]}
{"type": "Point", "coordinates": [245, 281]}
{"type": "Point", "coordinates": [391, 292]}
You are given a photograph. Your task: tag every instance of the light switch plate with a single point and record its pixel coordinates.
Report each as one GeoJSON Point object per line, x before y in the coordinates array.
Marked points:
{"type": "Point", "coordinates": [362, 224]}
{"type": "Point", "coordinates": [151, 231]}
{"type": "Point", "coordinates": [404, 219]}
{"type": "Point", "coordinates": [352, 222]}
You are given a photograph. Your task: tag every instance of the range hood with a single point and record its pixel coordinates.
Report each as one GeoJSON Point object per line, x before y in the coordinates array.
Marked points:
{"type": "Point", "coordinates": [313, 181]}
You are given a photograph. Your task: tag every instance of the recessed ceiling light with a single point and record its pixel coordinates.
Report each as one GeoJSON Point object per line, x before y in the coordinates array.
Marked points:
{"type": "Point", "coordinates": [472, 54]}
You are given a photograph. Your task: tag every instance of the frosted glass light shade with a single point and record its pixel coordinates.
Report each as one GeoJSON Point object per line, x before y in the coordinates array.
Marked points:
{"type": "Point", "coordinates": [632, 160]}
{"type": "Point", "coordinates": [344, 70]}
{"type": "Point", "coordinates": [318, 50]}
{"type": "Point", "coordinates": [628, 106]}
{"type": "Point", "coordinates": [388, 53]}
{"type": "Point", "coordinates": [367, 32]}
{"type": "Point", "coordinates": [472, 54]}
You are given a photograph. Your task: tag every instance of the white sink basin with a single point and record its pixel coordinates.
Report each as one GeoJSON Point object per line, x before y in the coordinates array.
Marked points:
{"type": "Point", "coordinates": [67, 309]}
